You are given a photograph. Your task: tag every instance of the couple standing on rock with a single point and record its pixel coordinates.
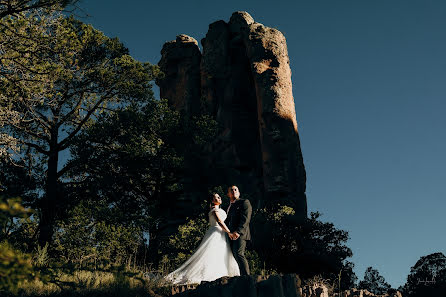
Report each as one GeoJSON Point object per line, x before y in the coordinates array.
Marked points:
{"type": "Point", "coordinates": [222, 250]}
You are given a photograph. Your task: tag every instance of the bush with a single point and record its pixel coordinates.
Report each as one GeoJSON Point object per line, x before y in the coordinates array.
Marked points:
{"type": "Point", "coordinates": [182, 244]}
{"type": "Point", "coordinates": [10, 210]}
{"type": "Point", "coordinates": [308, 248]}
{"type": "Point", "coordinates": [15, 268]}
{"type": "Point", "coordinates": [91, 238]}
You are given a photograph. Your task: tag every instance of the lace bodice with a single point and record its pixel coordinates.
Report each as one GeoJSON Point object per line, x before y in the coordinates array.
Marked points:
{"type": "Point", "coordinates": [213, 220]}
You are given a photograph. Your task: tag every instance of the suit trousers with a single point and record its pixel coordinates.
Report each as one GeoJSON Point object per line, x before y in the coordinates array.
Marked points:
{"type": "Point", "coordinates": [238, 250]}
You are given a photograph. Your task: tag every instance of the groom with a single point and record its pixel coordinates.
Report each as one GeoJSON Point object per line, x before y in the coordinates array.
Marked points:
{"type": "Point", "coordinates": [238, 218]}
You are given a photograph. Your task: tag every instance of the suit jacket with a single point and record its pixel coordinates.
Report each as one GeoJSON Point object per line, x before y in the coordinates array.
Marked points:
{"type": "Point", "coordinates": [238, 218]}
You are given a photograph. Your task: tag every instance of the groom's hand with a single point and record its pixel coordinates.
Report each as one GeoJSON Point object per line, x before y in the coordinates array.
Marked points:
{"type": "Point", "coordinates": [235, 236]}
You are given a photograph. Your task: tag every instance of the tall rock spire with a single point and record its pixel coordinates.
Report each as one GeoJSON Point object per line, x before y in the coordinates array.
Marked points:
{"type": "Point", "coordinates": [243, 77]}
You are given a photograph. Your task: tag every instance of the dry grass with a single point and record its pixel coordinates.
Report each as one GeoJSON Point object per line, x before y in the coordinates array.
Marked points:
{"type": "Point", "coordinates": [95, 283]}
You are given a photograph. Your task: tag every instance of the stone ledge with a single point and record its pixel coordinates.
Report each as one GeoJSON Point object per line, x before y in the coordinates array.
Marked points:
{"type": "Point", "coordinates": [288, 285]}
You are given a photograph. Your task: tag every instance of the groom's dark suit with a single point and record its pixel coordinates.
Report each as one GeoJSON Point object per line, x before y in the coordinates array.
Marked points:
{"type": "Point", "coordinates": [238, 218]}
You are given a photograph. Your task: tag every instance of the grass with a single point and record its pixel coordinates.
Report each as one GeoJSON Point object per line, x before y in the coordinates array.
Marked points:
{"type": "Point", "coordinates": [96, 283]}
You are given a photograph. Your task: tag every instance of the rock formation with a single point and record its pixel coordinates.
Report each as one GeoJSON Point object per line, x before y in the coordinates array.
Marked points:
{"type": "Point", "coordinates": [315, 290]}
{"type": "Point", "coordinates": [248, 286]}
{"type": "Point", "coordinates": [288, 285]}
{"type": "Point", "coordinates": [242, 78]}
{"type": "Point", "coordinates": [364, 293]}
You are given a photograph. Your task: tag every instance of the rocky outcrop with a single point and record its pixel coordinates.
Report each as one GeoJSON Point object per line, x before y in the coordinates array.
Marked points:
{"type": "Point", "coordinates": [181, 65]}
{"type": "Point", "coordinates": [364, 293]}
{"type": "Point", "coordinates": [315, 290]}
{"type": "Point", "coordinates": [266, 286]}
{"type": "Point", "coordinates": [248, 286]}
{"type": "Point", "coordinates": [243, 79]}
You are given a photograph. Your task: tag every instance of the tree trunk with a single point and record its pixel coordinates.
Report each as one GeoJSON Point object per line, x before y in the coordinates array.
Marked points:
{"type": "Point", "coordinates": [49, 203]}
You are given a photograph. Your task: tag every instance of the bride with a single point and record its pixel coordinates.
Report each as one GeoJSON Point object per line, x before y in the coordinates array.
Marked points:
{"type": "Point", "coordinates": [213, 258]}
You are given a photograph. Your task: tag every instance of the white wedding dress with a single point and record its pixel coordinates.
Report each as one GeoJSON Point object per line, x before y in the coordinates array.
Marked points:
{"type": "Point", "coordinates": [213, 258]}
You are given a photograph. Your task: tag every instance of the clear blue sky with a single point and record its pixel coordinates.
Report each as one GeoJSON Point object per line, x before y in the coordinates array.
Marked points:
{"type": "Point", "coordinates": [369, 82]}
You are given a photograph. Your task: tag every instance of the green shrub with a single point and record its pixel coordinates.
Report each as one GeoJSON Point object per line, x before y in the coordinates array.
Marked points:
{"type": "Point", "coordinates": [90, 237]}
{"type": "Point", "coordinates": [15, 267]}
{"type": "Point", "coordinates": [181, 245]}
{"type": "Point", "coordinates": [11, 209]}
{"type": "Point", "coordinates": [308, 248]}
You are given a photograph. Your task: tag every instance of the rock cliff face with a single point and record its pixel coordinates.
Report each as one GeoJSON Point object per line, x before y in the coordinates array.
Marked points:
{"type": "Point", "coordinates": [181, 65]}
{"type": "Point", "coordinates": [243, 79]}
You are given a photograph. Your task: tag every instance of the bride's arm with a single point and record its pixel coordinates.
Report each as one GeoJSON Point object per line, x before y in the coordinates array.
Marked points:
{"type": "Point", "coordinates": [221, 223]}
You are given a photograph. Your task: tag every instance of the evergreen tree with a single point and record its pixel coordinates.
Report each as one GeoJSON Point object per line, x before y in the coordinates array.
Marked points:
{"type": "Point", "coordinates": [10, 12]}
{"type": "Point", "coordinates": [57, 82]}
{"type": "Point", "coordinates": [374, 282]}
{"type": "Point", "coordinates": [134, 160]}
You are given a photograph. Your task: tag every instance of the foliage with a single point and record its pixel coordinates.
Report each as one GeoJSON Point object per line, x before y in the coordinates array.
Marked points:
{"type": "Point", "coordinates": [56, 83]}
{"type": "Point", "coordinates": [15, 57]}
{"type": "Point", "coordinates": [41, 257]}
{"type": "Point", "coordinates": [346, 277]}
{"type": "Point", "coordinates": [181, 245]}
{"type": "Point", "coordinates": [374, 282]}
{"type": "Point", "coordinates": [256, 265]}
{"type": "Point", "coordinates": [90, 238]}
{"type": "Point", "coordinates": [77, 89]}
{"type": "Point", "coordinates": [136, 159]}
{"type": "Point", "coordinates": [17, 181]}
{"type": "Point", "coordinates": [317, 248]}
{"type": "Point", "coordinates": [15, 267]}
{"type": "Point", "coordinates": [10, 211]}
{"type": "Point", "coordinates": [10, 9]}
{"type": "Point", "coordinates": [126, 159]}
{"type": "Point", "coordinates": [13, 7]}
{"type": "Point", "coordinates": [427, 277]}
{"type": "Point", "coordinates": [38, 274]}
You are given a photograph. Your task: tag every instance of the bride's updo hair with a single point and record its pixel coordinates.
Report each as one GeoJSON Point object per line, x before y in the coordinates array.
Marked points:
{"type": "Point", "coordinates": [211, 199]}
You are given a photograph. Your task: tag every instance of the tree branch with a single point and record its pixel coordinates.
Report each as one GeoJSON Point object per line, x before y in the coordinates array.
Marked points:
{"type": "Point", "coordinates": [36, 147]}
{"type": "Point", "coordinates": [74, 110]}
{"type": "Point", "coordinates": [64, 143]}
{"type": "Point", "coordinates": [31, 133]}
{"type": "Point", "coordinates": [65, 169]}
{"type": "Point", "coordinates": [9, 9]}
{"type": "Point", "coordinates": [43, 120]}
